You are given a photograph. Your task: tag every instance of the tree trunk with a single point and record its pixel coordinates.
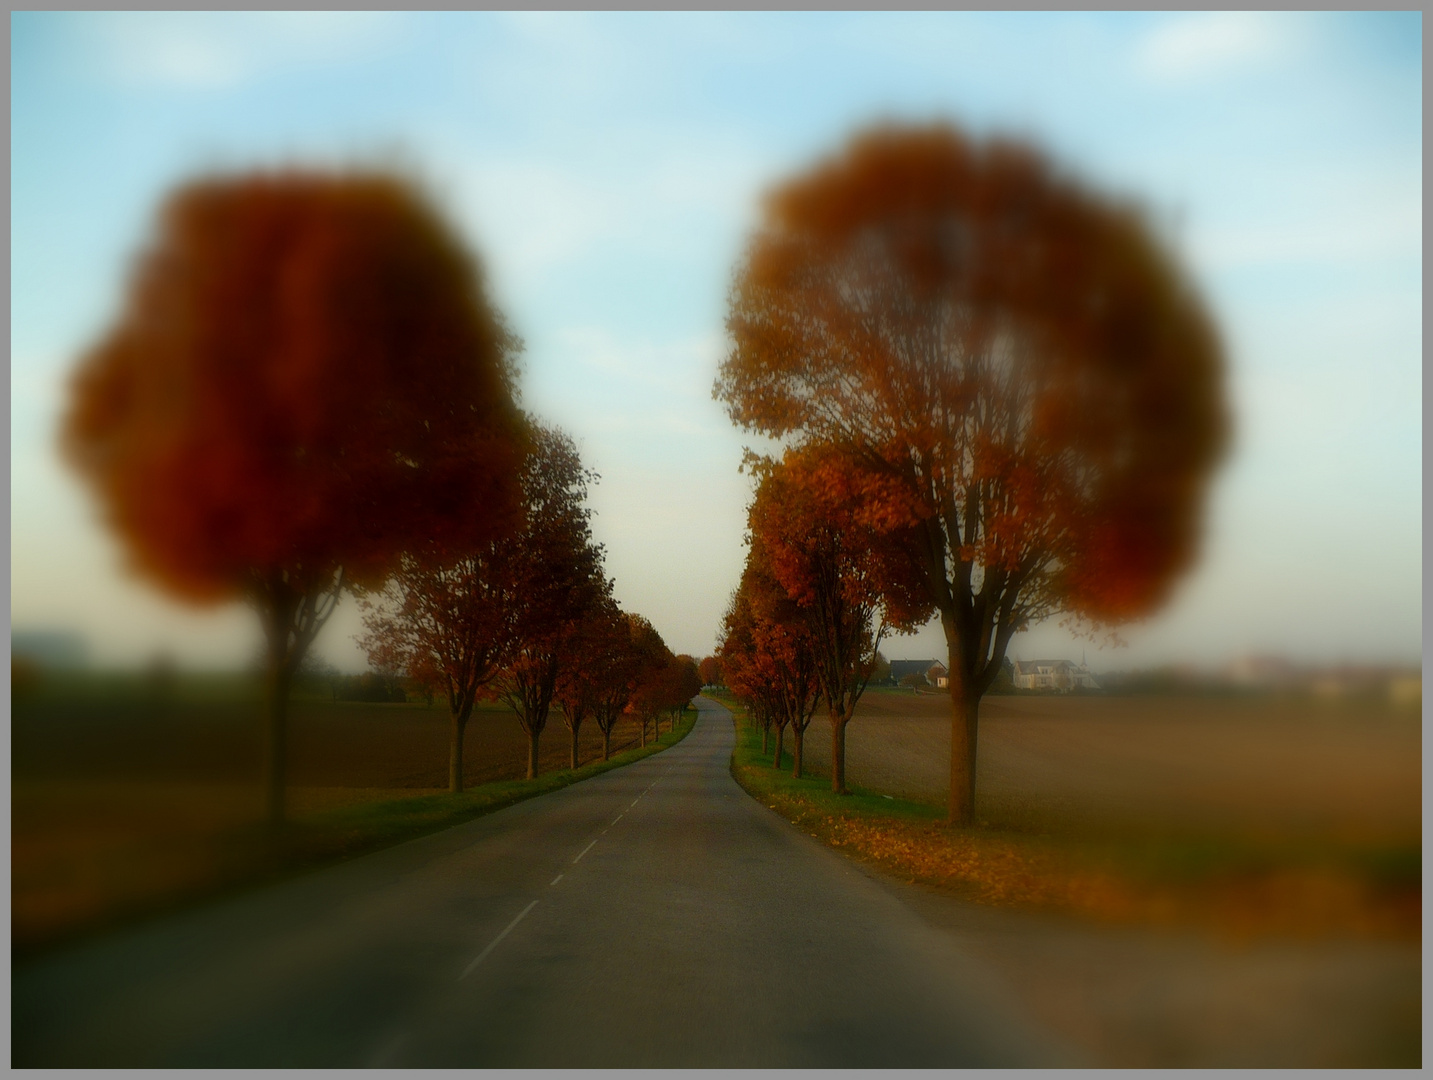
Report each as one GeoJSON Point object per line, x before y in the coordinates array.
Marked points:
{"type": "Point", "coordinates": [643, 725]}
{"type": "Point", "coordinates": [606, 743]}
{"type": "Point", "coordinates": [798, 740]}
{"type": "Point", "coordinates": [964, 723]}
{"type": "Point", "coordinates": [532, 752]}
{"type": "Point", "coordinates": [780, 732]}
{"type": "Point", "coordinates": [575, 728]}
{"type": "Point", "coordinates": [765, 739]}
{"type": "Point", "coordinates": [455, 749]}
{"type": "Point", "coordinates": [838, 753]}
{"type": "Point", "coordinates": [276, 739]}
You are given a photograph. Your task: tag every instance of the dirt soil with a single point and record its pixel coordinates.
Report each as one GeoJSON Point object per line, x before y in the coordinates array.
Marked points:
{"type": "Point", "coordinates": [1258, 767]}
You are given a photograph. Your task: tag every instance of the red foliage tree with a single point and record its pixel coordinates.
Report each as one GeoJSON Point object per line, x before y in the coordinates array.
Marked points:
{"type": "Point", "coordinates": [446, 622]}
{"type": "Point", "coordinates": [306, 377]}
{"type": "Point", "coordinates": [554, 578]}
{"type": "Point", "coordinates": [710, 671]}
{"type": "Point", "coordinates": [611, 681]}
{"type": "Point", "coordinates": [1012, 357]}
{"type": "Point", "coordinates": [581, 683]}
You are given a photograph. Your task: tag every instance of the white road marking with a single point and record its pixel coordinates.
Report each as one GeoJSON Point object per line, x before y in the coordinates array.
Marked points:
{"type": "Point", "coordinates": [555, 880]}
{"type": "Point", "coordinates": [494, 943]}
{"type": "Point", "coordinates": [585, 850]}
{"type": "Point", "coordinates": [619, 817]}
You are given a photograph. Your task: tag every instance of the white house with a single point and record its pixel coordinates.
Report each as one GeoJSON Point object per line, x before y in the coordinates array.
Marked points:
{"type": "Point", "coordinates": [1053, 675]}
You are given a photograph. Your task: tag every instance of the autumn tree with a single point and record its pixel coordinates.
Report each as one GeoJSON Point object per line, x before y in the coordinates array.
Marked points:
{"type": "Point", "coordinates": [650, 691]}
{"type": "Point", "coordinates": [616, 679]}
{"type": "Point", "coordinates": [821, 534]}
{"type": "Point", "coordinates": [447, 621]}
{"type": "Point", "coordinates": [1013, 360]}
{"type": "Point", "coordinates": [737, 650]}
{"type": "Point", "coordinates": [769, 653]}
{"type": "Point", "coordinates": [554, 581]}
{"type": "Point", "coordinates": [684, 683]}
{"type": "Point", "coordinates": [710, 671]}
{"type": "Point", "coordinates": [582, 682]}
{"type": "Point", "coordinates": [305, 378]}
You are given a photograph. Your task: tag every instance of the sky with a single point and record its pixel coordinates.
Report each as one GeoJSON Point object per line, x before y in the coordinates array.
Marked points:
{"type": "Point", "coordinates": [607, 169]}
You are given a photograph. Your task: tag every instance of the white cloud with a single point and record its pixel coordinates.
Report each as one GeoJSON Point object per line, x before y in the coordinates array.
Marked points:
{"type": "Point", "coordinates": [1376, 233]}
{"type": "Point", "coordinates": [1208, 43]}
{"type": "Point", "coordinates": [218, 50]}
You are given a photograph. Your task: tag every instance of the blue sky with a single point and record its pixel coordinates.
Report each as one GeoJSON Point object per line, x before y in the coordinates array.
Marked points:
{"type": "Point", "coordinates": [607, 168]}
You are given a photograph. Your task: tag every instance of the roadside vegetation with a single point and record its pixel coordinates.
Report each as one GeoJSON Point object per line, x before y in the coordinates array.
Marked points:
{"type": "Point", "coordinates": [154, 809]}
{"type": "Point", "coordinates": [1234, 887]}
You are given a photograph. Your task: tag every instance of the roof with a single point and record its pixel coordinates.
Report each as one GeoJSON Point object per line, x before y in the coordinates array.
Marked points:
{"type": "Point", "coordinates": [901, 668]}
{"type": "Point", "coordinates": [1026, 667]}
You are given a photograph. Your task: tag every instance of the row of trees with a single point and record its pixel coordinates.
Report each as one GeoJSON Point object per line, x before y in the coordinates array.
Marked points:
{"type": "Point", "coordinates": [819, 592]}
{"type": "Point", "coordinates": [528, 619]}
{"type": "Point", "coordinates": [308, 392]}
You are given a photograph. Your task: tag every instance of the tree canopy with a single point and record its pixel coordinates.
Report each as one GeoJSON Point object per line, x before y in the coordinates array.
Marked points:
{"type": "Point", "coordinates": [306, 376]}
{"type": "Point", "coordinates": [1014, 373]}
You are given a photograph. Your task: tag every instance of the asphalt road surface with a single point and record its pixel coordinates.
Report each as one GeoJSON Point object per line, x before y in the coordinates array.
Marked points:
{"type": "Point", "coordinates": [652, 916]}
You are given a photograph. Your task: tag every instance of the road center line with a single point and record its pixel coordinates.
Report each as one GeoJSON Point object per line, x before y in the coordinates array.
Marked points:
{"type": "Point", "coordinates": [555, 880]}
{"type": "Point", "coordinates": [585, 850]}
{"type": "Point", "coordinates": [619, 817]}
{"type": "Point", "coordinates": [494, 943]}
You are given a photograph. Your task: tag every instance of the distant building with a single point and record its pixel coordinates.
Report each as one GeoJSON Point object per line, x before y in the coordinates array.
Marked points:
{"type": "Point", "coordinates": [49, 648]}
{"type": "Point", "coordinates": [1052, 675]}
{"type": "Point", "coordinates": [932, 671]}
{"type": "Point", "coordinates": [900, 669]}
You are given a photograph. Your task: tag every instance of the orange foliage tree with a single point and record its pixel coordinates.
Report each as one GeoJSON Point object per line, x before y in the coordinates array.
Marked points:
{"type": "Point", "coordinates": [767, 651]}
{"type": "Point", "coordinates": [821, 532]}
{"type": "Point", "coordinates": [305, 378]}
{"type": "Point", "coordinates": [650, 688]}
{"type": "Point", "coordinates": [710, 671]}
{"type": "Point", "coordinates": [1012, 358]}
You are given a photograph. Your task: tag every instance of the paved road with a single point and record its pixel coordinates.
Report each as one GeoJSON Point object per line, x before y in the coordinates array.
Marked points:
{"type": "Point", "coordinates": [652, 916]}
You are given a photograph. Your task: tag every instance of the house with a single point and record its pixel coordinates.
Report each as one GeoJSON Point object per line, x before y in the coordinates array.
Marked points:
{"type": "Point", "coordinates": [1053, 675]}
{"type": "Point", "coordinates": [933, 671]}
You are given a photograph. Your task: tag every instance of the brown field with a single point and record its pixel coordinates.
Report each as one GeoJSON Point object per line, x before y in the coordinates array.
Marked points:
{"type": "Point", "coordinates": [1163, 881]}
{"type": "Point", "coordinates": [1343, 771]}
{"type": "Point", "coordinates": [122, 798]}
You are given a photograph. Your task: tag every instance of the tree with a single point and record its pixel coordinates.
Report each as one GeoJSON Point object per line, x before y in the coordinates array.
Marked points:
{"type": "Point", "coordinates": [1014, 363]}
{"type": "Point", "coordinates": [554, 580]}
{"type": "Point", "coordinates": [881, 672]}
{"type": "Point", "coordinates": [710, 671]}
{"type": "Point", "coordinates": [447, 621]}
{"type": "Point", "coordinates": [617, 677]}
{"type": "Point", "coordinates": [812, 530]}
{"type": "Point", "coordinates": [769, 654]}
{"type": "Point", "coordinates": [581, 682]}
{"type": "Point", "coordinates": [684, 683]}
{"type": "Point", "coordinates": [649, 692]}
{"type": "Point", "coordinates": [305, 378]}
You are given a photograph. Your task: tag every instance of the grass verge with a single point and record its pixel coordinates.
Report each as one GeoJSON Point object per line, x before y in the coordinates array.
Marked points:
{"type": "Point", "coordinates": [1236, 890]}
{"type": "Point", "coordinates": [238, 858]}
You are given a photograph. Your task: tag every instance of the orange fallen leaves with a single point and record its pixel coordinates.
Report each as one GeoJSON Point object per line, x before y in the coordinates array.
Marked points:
{"type": "Point", "coordinates": [1027, 873]}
